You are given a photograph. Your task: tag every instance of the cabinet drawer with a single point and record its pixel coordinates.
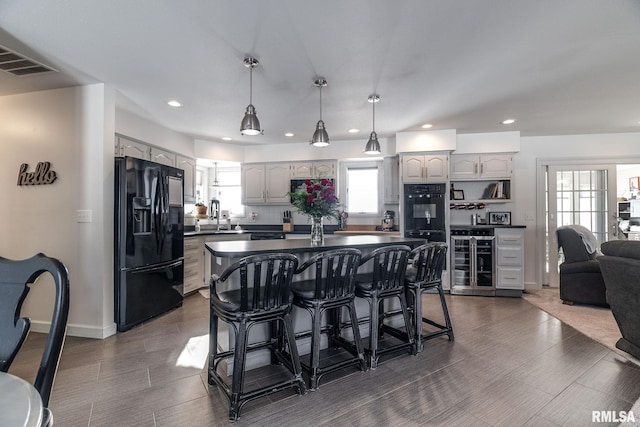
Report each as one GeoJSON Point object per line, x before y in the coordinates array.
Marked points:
{"type": "Point", "coordinates": [510, 278]}
{"type": "Point", "coordinates": [510, 256]}
{"type": "Point", "coordinates": [504, 239]}
{"type": "Point", "coordinates": [193, 243]}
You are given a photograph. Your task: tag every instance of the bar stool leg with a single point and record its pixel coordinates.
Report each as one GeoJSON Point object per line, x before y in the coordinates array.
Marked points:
{"type": "Point", "coordinates": [316, 326]}
{"type": "Point", "coordinates": [356, 336]}
{"type": "Point", "coordinates": [374, 328]}
{"type": "Point", "coordinates": [239, 360]}
{"type": "Point", "coordinates": [213, 346]}
{"type": "Point", "coordinates": [293, 352]}
{"type": "Point", "coordinates": [416, 294]}
{"type": "Point", "coordinates": [407, 321]}
{"type": "Point", "coordinates": [447, 320]}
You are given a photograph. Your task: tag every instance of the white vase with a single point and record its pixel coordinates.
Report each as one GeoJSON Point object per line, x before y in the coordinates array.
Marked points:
{"type": "Point", "coordinates": [317, 230]}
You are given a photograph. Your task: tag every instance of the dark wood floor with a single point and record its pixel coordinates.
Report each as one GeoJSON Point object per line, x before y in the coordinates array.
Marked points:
{"type": "Point", "coordinates": [510, 365]}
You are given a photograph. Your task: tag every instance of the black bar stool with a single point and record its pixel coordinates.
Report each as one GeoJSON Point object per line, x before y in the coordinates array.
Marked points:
{"type": "Point", "coordinates": [386, 281]}
{"type": "Point", "coordinates": [263, 295]}
{"type": "Point", "coordinates": [331, 288]}
{"type": "Point", "coordinates": [424, 273]}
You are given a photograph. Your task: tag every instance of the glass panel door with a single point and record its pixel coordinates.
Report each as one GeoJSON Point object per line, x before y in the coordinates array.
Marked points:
{"type": "Point", "coordinates": [579, 194]}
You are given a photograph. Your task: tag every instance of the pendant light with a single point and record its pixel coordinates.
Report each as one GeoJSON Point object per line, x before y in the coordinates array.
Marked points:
{"type": "Point", "coordinates": [250, 124]}
{"type": "Point", "coordinates": [320, 136]}
{"type": "Point", "coordinates": [373, 146]}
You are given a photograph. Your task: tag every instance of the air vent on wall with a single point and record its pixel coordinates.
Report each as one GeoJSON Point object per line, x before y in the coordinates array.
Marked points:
{"type": "Point", "coordinates": [19, 65]}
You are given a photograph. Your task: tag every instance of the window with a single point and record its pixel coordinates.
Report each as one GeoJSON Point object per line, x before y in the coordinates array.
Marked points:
{"type": "Point", "coordinates": [361, 188]}
{"type": "Point", "coordinates": [228, 190]}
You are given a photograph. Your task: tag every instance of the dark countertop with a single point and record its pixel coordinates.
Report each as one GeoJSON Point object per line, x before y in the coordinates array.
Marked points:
{"type": "Point", "coordinates": [236, 249]}
{"type": "Point", "coordinates": [483, 226]}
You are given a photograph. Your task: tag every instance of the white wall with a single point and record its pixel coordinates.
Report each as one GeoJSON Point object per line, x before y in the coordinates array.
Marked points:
{"type": "Point", "coordinates": [68, 128]}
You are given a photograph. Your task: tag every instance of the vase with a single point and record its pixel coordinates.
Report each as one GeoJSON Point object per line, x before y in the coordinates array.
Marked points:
{"type": "Point", "coordinates": [317, 230]}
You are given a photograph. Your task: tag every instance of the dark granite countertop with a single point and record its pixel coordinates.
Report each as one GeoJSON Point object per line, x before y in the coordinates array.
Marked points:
{"type": "Point", "coordinates": [241, 248]}
{"type": "Point", "coordinates": [484, 226]}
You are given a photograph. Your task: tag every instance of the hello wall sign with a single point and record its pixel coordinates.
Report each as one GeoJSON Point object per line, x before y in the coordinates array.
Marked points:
{"type": "Point", "coordinates": [41, 176]}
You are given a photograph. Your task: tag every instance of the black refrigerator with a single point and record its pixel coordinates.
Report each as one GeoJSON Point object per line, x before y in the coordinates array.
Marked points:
{"type": "Point", "coordinates": [149, 238]}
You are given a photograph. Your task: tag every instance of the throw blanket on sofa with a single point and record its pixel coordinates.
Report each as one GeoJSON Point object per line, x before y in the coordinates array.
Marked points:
{"type": "Point", "coordinates": [589, 240]}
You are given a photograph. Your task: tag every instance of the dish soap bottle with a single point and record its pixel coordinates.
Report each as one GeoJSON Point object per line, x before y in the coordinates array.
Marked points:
{"type": "Point", "coordinates": [197, 225]}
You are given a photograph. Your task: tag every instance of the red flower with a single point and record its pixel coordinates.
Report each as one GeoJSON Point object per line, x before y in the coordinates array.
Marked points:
{"type": "Point", "coordinates": [307, 182]}
{"type": "Point", "coordinates": [311, 198]}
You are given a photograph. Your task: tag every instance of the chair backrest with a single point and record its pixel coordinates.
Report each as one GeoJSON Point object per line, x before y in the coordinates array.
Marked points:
{"type": "Point", "coordinates": [15, 279]}
{"type": "Point", "coordinates": [334, 273]}
{"type": "Point", "coordinates": [428, 261]}
{"type": "Point", "coordinates": [265, 281]}
{"type": "Point", "coordinates": [389, 266]}
{"type": "Point", "coordinates": [572, 245]}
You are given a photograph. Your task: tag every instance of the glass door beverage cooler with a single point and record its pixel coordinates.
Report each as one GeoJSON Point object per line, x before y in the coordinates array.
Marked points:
{"type": "Point", "coordinates": [472, 261]}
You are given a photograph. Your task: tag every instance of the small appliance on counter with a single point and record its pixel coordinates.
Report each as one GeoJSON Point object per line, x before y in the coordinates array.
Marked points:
{"type": "Point", "coordinates": [387, 220]}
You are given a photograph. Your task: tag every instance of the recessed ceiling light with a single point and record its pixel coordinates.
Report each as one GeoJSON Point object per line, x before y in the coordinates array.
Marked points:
{"type": "Point", "coordinates": [174, 103]}
{"type": "Point", "coordinates": [427, 126]}
{"type": "Point", "coordinates": [508, 121]}
{"type": "Point", "coordinates": [288, 134]}
{"type": "Point", "coordinates": [226, 138]}
{"type": "Point", "coordinates": [354, 130]}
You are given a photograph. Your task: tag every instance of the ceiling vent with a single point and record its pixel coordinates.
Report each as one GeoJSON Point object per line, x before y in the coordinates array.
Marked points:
{"type": "Point", "coordinates": [20, 66]}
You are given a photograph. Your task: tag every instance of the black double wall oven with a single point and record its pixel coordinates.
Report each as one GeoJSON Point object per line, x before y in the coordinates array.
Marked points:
{"type": "Point", "coordinates": [424, 211]}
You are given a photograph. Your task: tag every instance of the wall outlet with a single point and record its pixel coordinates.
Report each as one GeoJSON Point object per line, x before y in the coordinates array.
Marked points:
{"type": "Point", "coordinates": [85, 216]}
{"type": "Point", "coordinates": [254, 216]}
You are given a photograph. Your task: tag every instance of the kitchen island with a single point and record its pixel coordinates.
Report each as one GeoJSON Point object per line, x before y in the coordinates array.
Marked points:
{"type": "Point", "coordinates": [223, 254]}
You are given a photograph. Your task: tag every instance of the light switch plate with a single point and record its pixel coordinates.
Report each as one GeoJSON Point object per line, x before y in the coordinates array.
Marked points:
{"type": "Point", "coordinates": [85, 216]}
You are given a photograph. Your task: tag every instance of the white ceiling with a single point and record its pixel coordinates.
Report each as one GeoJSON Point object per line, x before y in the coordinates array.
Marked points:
{"type": "Point", "coordinates": [558, 67]}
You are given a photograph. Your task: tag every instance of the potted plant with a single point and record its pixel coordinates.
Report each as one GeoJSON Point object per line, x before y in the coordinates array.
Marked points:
{"type": "Point", "coordinates": [201, 208]}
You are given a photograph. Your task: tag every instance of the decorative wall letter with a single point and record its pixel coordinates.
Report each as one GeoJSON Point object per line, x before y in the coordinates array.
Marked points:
{"type": "Point", "coordinates": [42, 175]}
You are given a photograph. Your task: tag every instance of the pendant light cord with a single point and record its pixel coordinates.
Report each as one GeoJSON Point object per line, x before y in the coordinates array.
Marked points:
{"type": "Point", "coordinates": [320, 102]}
{"type": "Point", "coordinates": [251, 84]}
{"type": "Point", "coordinates": [374, 115]}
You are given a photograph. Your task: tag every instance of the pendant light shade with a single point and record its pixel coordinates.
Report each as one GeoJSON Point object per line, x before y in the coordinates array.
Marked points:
{"type": "Point", "coordinates": [373, 146]}
{"type": "Point", "coordinates": [250, 124]}
{"type": "Point", "coordinates": [320, 136]}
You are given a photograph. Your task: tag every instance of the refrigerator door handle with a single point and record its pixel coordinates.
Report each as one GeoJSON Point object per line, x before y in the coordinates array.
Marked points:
{"type": "Point", "coordinates": [156, 267]}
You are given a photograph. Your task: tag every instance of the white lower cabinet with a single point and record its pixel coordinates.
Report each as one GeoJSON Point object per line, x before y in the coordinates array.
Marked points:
{"type": "Point", "coordinates": [193, 263]}
{"type": "Point", "coordinates": [509, 261]}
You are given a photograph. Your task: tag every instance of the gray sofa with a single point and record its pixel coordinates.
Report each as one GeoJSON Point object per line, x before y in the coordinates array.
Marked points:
{"type": "Point", "coordinates": [620, 267]}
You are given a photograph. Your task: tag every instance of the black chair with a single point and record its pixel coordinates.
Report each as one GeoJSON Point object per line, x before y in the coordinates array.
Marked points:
{"type": "Point", "coordinates": [331, 288]}
{"type": "Point", "coordinates": [16, 277]}
{"type": "Point", "coordinates": [389, 264]}
{"type": "Point", "coordinates": [423, 273]}
{"type": "Point", "coordinates": [261, 293]}
{"type": "Point", "coordinates": [581, 280]}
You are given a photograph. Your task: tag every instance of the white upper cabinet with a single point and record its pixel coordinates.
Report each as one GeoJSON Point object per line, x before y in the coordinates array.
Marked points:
{"type": "Point", "coordinates": [425, 168]}
{"type": "Point", "coordinates": [189, 167]}
{"type": "Point", "coordinates": [314, 169]}
{"type": "Point", "coordinates": [265, 183]}
{"type": "Point", "coordinates": [128, 147]}
{"type": "Point", "coordinates": [480, 166]}
{"type": "Point", "coordinates": [391, 174]}
{"type": "Point", "coordinates": [277, 183]}
{"type": "Point", "coordinates": [163, 157]}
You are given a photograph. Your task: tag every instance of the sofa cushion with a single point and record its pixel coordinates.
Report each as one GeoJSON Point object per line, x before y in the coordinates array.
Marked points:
{"type": "Point", "coordinates": [622, 248]}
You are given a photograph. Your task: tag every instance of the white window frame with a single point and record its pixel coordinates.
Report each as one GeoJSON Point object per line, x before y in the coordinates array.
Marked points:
{"type": "Point", "coordinates": [343, 186]}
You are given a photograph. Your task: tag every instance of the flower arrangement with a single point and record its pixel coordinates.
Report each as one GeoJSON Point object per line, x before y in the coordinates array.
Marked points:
{"type": "Point", "coordinates": [316, 198]}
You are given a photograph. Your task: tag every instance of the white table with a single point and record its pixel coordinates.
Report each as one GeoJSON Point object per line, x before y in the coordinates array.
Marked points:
{"type": "Point", "coordinates": [20, 402]}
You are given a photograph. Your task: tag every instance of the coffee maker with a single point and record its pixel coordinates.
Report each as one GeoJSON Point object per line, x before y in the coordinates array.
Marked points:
{"type": "Point", "coordinates": [387, 220]}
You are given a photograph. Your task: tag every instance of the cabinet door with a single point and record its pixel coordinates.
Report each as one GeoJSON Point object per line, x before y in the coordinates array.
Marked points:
{"type": "Point", "coordinates": [464, 166]}
{"type": "Point", "coordinates": [253, 182]}
{"type": "Point", "coordinates": [436, 168]}
{"type": "Point", "coordinates": [189, 167]}
{"type": "Point", "coordinates": [301, 170]}
{"type": "Point", "coordinates": [495, 166]}
{"type": "Point", "coordinates": [391, 179]}
{"type": "Point", "coordinates": [127, 147]}
{"type": "Point", "coordinates": [510, 258]}
{"type": "Point", "coordinates": [324, 169]}
{"type": "Point", "coordinates": [413, 168]}
{"type": "Point", "coordinates": [193, 263]}
{"type": "Point", "coordinates": [277, 183]}
{"type": "Point", "coordinates": [163, 157]}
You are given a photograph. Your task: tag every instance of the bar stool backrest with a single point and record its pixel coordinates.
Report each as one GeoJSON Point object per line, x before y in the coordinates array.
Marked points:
{"type": "Point", "coordinates": [265, 281]}
{"type": "Point", "coordinates": [429, 260]}
{"type": "Point", "coordinates": [389, 266]}
{"type": "Point", "coordinates": [16, 277]}
{"type": "Point", "coordinates": [334, 273]}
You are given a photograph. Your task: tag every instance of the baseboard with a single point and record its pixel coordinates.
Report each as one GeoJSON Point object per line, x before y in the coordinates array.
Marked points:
{"type": "Point", "coordinates": [77, 330]}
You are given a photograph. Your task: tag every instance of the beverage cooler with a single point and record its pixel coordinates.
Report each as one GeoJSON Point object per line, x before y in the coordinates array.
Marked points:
{"type": "Point", "coordinates": [472, 262]}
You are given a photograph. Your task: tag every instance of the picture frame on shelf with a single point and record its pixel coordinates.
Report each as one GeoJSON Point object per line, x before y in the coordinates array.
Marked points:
{"type": "Point", "coordinates": [500, 218]}
{"type": "Point", "coordinates": [634, 183]}
{"type": "Point", "coordinates": [457, 194]}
